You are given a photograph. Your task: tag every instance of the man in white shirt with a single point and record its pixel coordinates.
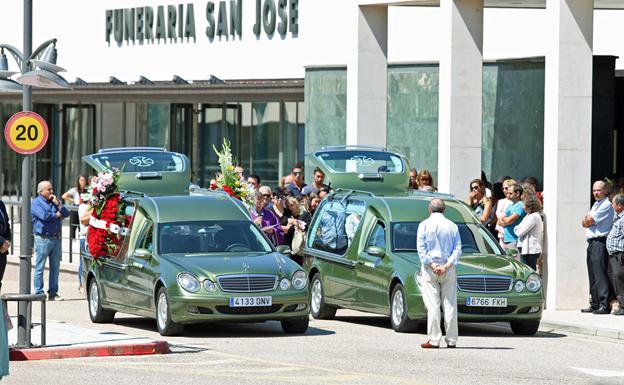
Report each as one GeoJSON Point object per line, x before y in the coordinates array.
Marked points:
{"type": "Point", "coordinates": [439, 248]}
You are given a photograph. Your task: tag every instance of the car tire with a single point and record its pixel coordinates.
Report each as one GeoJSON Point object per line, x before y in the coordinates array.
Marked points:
{"type": "Point", "coordinates": [94, 299]}
{"type": "Point", "coordinates": [525, 328]}
{"type": "Point", "coordinates": [296, 326]}
{"type": "Point", "coordinates": [164, 323]}
{"type": "Point", "coordinates": [398, 311]}
{"type": "Point", "coordinates": [318, 308]}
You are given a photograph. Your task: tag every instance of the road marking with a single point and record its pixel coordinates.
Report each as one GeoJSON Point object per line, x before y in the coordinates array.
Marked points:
{"type": "Point", "coordinates": [600, 372]}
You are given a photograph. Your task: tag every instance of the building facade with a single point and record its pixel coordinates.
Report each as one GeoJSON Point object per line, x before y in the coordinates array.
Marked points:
{"type": "Point", "coordinates": [458, 86]}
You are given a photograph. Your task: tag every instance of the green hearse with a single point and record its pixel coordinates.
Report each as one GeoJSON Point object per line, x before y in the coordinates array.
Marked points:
{"type": "Point", "coordinates": [189, 257]}
{"type": "Point", "coordinates": [361, 249]}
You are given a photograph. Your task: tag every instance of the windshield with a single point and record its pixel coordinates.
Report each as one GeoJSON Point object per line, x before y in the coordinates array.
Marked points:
{"type": "Point", "coordinates": [148, 161]}
{"type": "Point", "coordinates": [359, 161]}
{"type": "Point", "coordinates": [202, 237]}
{"type": "Point", "coordinates": [475, 239]}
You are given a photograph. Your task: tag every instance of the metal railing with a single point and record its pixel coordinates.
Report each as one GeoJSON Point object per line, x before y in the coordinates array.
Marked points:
{"type": "Point", "coordinates": [14, 210]}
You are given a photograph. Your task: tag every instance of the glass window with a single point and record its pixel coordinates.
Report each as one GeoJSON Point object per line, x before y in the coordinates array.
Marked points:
{"type": "Point", "coordinates": [10, 161]}
{"type": "Point", "coordinates": [202, 237]}
{"type": "Point", "coordinates": [475, 239]}
{"type": "Point", "coordinates": [133, 161]}
{"type": "Point", "coordinates": [335, 226]}
{"type": "Point", "coordinates": [158, 120]}
{"type": "Point", "coordinates": [378, 236]}
{"type": "Point", "coordinates": [266, 140]}
{"type": "Point", "coordinates": [359, 161]}
{"type": "Point", "coordinates": [78, 140]}
{"type": "Point", "coordinates": [181, 128]}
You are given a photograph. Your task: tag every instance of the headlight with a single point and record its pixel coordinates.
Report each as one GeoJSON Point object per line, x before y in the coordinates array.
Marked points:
{"type": "Point", "coordinates": [210, 286]}
{"type": "Point", "coordinates": [519, 286]}
{"type": "Point", "coordinates": [533, 283]}
{"type": "Point", "coordinates": [284, 284]}
{"type": "Point", "coordinates": [188, 282]}
{"type": "Point", "coordinates": [299, 280]}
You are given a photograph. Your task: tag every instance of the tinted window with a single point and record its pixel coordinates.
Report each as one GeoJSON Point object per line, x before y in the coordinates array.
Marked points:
{"type": "Point", "coordinates": [135, 161]}
{"type": "Point", "coordinates": [335, 226]}
{"type": "Point", "coordinates": [358, 161]}
{"type": "Point", "coordinates": [201, 237]}
{"type": "Point", "coordinates": [378, 236]}
{"type": "Point", "coordinates": [474, 238]}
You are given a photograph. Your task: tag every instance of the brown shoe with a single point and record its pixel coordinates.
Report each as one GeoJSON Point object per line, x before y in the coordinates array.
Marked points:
{"type": "Point", "coordinates": [428, 345]}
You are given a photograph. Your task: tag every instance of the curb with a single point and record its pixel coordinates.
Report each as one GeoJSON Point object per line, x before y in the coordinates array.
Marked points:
{"type": "Point", "coordinates": [585, 330]}
{"type": "Point", "coordinates": [51, 353]}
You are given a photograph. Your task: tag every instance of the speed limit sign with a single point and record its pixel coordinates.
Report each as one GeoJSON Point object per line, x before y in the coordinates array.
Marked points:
{"type": "Point", "coordinates": [26, 132]}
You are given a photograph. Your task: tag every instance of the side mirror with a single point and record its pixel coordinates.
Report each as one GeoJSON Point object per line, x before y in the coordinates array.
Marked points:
{"type": "Point", "coordinates": [143, 254]}
{"type": "Point", "coordinates": [283, 249]}
{"type": "Point", "coordinates": [376, 251]}
{"type": "Point", "coordinates": [512, 252]}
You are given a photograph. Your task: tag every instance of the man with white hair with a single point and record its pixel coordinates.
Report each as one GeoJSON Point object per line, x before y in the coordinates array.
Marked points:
{"type": "Point", "coordinates": [597, 223]}
{"type": "Point", "coordinates": [439, 248]}
{"type": "Point", "coordinates": [47, 213]}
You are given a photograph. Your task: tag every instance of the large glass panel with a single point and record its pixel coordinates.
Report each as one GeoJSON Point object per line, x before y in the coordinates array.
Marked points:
{"type": "Point", "coordinates": [325, 108]}
{"type": "Point", "coordinates": [513, 119]}
{"type": "Point", "coordinates": [43, 159]}
{"type": "Point", "coordinates": [289, 148]}
{"type": "Point", "coordinates": [181, 128]}
{"type": "Point", "coordinates": [413, 114]}
{"type": "Point", "coordinates": [78, 140]}
{"type": "Point", "coordinates": [266, 139]}
{"type": "Point", "coordinates": [158, 119]}
{"type": "Point", "coordinates": [210, 134]}
{"type": "Point", "coordinates": [10, 161]}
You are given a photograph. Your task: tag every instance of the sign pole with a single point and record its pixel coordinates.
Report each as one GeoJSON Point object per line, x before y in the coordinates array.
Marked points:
{"type": "Point", "coordinates": [23, 333]}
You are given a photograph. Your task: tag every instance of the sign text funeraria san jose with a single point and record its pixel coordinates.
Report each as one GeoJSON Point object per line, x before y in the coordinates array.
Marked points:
{"type": "Point", "coordinates": [176, 23]}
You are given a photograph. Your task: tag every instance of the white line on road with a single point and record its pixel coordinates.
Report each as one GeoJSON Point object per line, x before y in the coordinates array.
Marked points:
{"type": "Point", "coordinates": [600, 372]}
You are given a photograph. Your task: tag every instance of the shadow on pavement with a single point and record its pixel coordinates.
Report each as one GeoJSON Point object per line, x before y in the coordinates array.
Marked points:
{"type": "Point", "coordinates": [224, 330]}
{"type": "Point", "coordinates": [494, 329]}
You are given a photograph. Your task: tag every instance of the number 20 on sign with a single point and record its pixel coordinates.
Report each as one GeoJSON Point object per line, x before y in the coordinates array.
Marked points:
{"type": "Point", "coordinates": [26, 132]}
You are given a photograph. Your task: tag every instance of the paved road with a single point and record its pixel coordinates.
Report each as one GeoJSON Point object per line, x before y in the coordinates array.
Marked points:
{"type": "Point", "coordinates": [355, 348]}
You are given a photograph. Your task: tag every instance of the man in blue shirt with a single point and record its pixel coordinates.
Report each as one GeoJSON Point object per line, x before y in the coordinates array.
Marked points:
{"type": "Point", "coordinates": [597, 223]}
{"type": "Point", "coordinates": [513, 216]}
{"type": "Point", "coordinates": [47, 213]}
{"type": "Point", "coordinates": [297, 185]}
{"type": "Point", "coordinates": [439, 248]}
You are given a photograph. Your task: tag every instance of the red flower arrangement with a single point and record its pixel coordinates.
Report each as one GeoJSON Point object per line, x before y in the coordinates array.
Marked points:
{"type": "Point", "coordinates": [107, 227]}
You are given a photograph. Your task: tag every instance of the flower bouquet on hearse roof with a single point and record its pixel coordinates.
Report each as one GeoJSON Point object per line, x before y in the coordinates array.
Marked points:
{"type": "Point", "coordinates": [228, 179]}
{"type": "Point", "coordinates": [108, 225]}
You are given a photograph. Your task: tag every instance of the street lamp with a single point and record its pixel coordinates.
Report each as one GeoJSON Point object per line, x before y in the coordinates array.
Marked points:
{"type": "Point", "coordinates": [37, 69]}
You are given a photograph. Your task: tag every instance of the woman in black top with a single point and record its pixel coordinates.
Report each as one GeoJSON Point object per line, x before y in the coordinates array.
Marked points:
{"type": "Point", "coordinates": [299, 219]}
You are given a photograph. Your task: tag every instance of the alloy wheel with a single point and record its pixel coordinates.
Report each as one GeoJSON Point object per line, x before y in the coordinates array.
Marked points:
{"type": "Point", "coordinates": [397, 307]}
{"type": "Point", "coordinates": [317, 296]}
{"type": "Point", "coordinates": [162, 311]}
{"type": "Point", "coordinates": [94, 299]}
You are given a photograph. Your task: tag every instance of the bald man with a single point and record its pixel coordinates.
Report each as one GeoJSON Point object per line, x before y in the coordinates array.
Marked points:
{"type": "Point", "coordinates": [47, 214]}
{"type": "Point", "coordinates": [597, 223]}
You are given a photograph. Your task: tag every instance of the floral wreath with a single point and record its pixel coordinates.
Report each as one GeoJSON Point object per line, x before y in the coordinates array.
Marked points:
{"type": "Point", "coordinates": [108, 224]}
{"type": "Point", "coordinates": [228, 179]}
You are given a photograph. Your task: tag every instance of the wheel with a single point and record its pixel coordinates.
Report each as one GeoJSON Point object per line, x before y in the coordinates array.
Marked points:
{"type": "Point", "coordinates": [318, 308]}
{"type": "Point", "coordinates": [525, 328]}
{"type": "Point", "coordinates": [97, 314]}
{"type": "Point", "coordinates": [398, 311]}
{"type": "Point", "coordinates": [296, 326]}
{"type": "Point", "coordinates": [166, 327]}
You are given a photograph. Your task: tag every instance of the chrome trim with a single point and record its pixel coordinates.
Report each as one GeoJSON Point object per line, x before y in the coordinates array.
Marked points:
{"type": "Point", "coordinates": [155, 208]}
{"type": "Point", "coordinates": [485, 277]}
{"type": "Point", "coordinates": [275, 283]}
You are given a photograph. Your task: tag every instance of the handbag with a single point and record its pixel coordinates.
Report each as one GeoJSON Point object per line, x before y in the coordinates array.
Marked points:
{"type": "Point", "coordinates": [299, 239]}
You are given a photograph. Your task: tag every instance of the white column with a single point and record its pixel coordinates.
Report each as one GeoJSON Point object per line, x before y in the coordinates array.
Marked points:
{"type": "Point", "coordinates": [367, 78]}
{"type": "Point", "coordinates": [459, 115]}
{"type": "Point", "coordinates": [567, 149]}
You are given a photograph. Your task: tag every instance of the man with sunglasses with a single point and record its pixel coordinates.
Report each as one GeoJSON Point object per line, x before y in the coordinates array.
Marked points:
{"type": "Point", "coordinates": [297, 184]}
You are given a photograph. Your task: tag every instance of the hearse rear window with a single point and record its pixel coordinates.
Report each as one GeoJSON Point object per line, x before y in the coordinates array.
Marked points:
{"type": "Point", "coordinates": [359, 161]}
{"type": "Point", "coordinates": [142, 162]}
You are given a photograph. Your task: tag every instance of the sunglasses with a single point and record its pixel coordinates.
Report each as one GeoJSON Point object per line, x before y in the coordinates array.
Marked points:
{"type": "Point", "coordinates": [298, 173]}
{"type": "Point", "coordinates": [474, 187]}
{"type": "Point", "coordinates": [266, 195]}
